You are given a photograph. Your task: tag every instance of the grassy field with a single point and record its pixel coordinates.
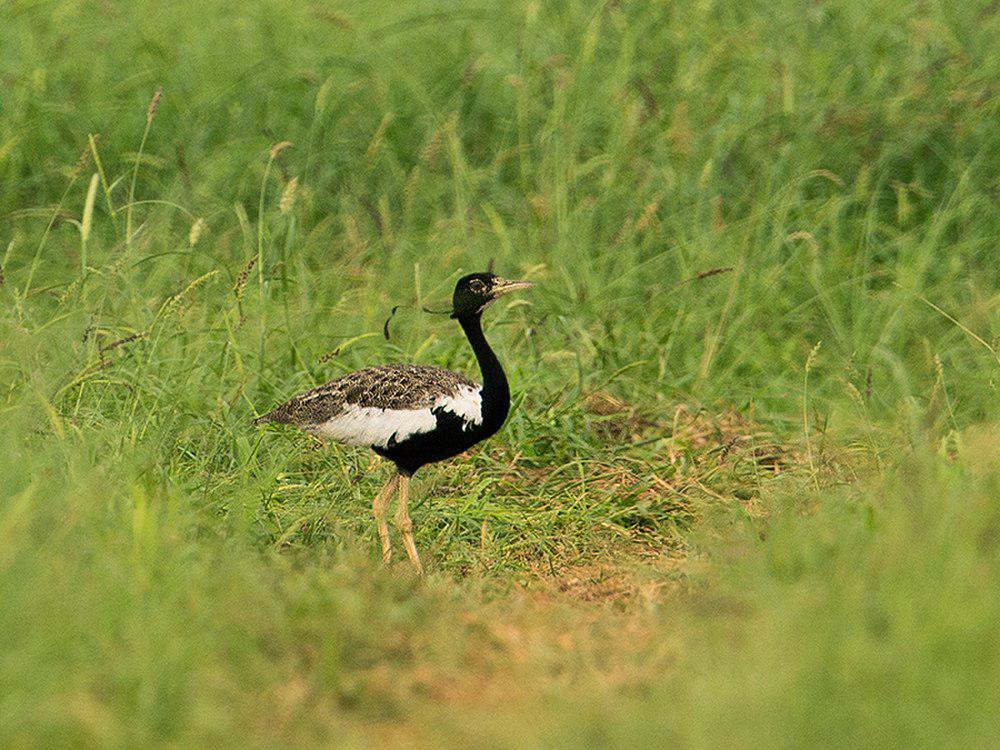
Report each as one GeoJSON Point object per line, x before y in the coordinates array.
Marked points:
{"type": "Point", "coordinates": [749, 492]}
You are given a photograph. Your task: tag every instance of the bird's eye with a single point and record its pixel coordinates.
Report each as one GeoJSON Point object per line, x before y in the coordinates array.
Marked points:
{"type": "Point", "coordinates": [477, 285]}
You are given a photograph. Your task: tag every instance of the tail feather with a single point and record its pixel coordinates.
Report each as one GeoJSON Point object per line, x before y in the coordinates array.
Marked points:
{"type": "Point", "coordinates": [278, 415]}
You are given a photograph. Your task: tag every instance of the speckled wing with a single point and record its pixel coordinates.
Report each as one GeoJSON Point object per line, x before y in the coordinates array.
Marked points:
{"type": "Point", "coordinates": [381, 404]}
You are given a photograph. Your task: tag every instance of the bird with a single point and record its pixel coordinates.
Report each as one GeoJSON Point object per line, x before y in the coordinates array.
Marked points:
{"type": "Point", "coordinates": [412, 415]}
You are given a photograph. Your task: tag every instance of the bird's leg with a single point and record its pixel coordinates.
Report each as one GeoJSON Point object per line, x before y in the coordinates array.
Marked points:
{"type": "Point", "coordinates": [378, 508]}
{"type": "Point", "coordinates": [404, 524]}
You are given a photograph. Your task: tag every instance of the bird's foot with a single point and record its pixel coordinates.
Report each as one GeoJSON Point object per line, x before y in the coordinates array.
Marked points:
{"type": "Point", "coordinates": [405, 526]}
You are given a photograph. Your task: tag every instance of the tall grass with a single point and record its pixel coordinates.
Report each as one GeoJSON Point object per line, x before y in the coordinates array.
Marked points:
{"type": "Point", "coordinates": [808, 531]}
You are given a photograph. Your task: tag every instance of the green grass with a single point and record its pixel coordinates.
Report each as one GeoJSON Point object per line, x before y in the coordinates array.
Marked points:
{"type": "Point", "coordinates": [759, 507]}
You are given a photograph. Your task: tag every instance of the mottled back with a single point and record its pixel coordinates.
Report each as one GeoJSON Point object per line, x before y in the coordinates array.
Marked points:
{"type": "Point", "coordinates": [383, 387]}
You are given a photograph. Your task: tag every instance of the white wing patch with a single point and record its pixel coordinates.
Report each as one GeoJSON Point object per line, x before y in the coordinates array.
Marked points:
{"type": "Point", "coordinates": [467, 403]}
{"type": "Point", "coordinates": [370, 425]}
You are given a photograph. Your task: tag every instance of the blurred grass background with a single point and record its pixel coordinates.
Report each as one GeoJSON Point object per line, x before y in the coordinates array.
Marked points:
{"type": "Point", "coordinates": [754, 507]}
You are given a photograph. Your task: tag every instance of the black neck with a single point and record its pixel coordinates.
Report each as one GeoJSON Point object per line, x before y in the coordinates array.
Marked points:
{"type": "Point", "coordinates": [496, 392]}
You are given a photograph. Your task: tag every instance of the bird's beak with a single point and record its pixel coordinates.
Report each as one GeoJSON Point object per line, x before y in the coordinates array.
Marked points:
{"type": "Point", "coordinates": [505, 286]}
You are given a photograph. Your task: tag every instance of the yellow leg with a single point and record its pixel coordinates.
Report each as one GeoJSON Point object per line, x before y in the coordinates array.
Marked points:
{"type": "Point", "coordinates": [378, 508]}
{"type": "Point", "coordinates": [404, 524]}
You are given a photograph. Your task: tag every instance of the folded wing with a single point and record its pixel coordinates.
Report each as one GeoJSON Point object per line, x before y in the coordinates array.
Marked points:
{"type": "Point", "coordinates": [379, 405]}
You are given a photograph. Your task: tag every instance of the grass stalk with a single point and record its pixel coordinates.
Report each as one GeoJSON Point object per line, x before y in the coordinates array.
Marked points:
{"type": "Point", "coordinates": [87, 222]}
{"type": "Point", "coordinates": [150, 114]}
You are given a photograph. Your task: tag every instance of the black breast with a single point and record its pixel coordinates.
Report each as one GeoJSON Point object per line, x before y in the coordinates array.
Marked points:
{"type": "Point", "coordinates": [452, 435]}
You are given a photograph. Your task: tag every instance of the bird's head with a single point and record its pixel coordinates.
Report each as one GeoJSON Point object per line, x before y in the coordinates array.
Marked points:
{"type": "Point", "coordinates": [473, 293]}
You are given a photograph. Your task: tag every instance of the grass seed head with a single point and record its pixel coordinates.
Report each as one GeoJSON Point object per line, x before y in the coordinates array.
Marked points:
{"type": "Point", "coordinates": [713, 272]}
{"type": "Point", "coordinates": [278, 149]}
{"type": "Point", "coordinates": [173, 304]}
{"type": "Point", "coordinates": [121, 342]}
{"type": "Point", "coordinates": [429, 153]}
{"type": "Point", "coordinates": [153, 103]}
{"type": "Point", "coordinates": [379, 136]}
{"type": "Point", "coordinates": [87, 220]}
{"type": "Point", "coordinates": [241, 280]}
{"type": "Point", "coordinates": [197, 229]}
{"type": "Point", "coordinates": [287, 201]}
{"type": "Point", "coordinates": [812, 356]}
{"type": "Point", "coordinates": [82, 162]}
